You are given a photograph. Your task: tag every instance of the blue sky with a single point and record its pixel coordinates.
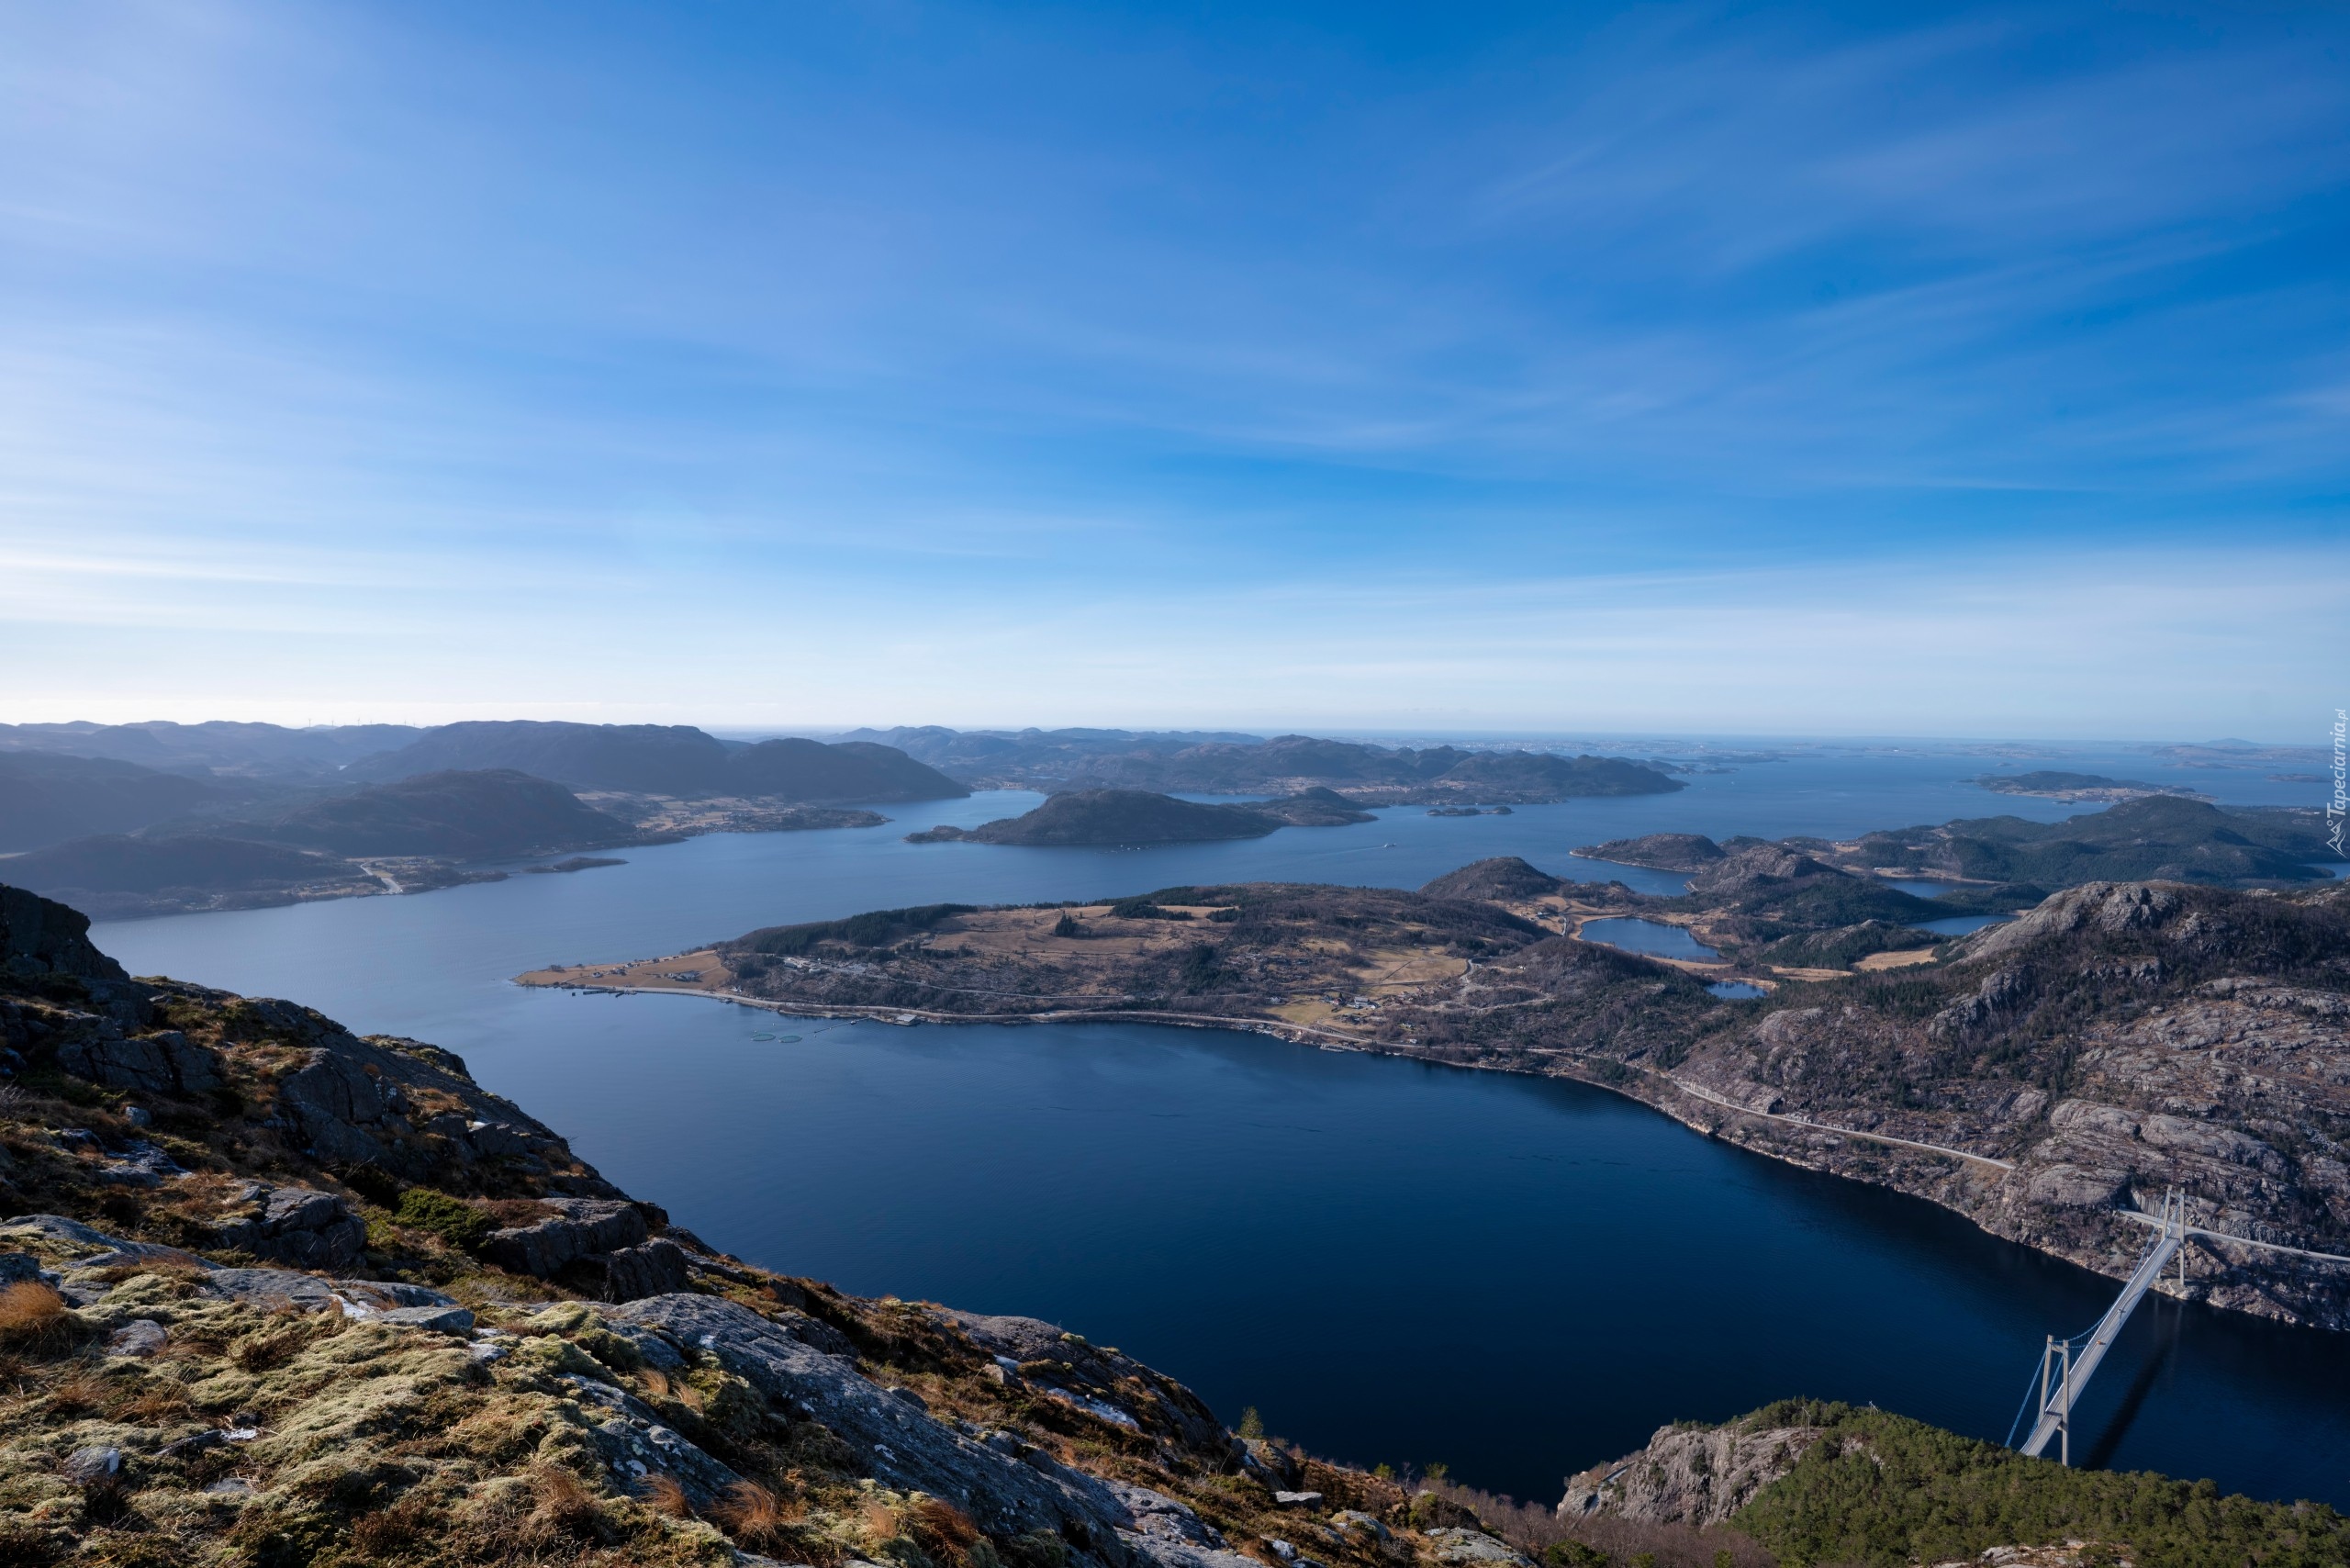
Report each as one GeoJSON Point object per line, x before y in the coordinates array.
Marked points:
{"type": "Point", "coordinates": [1887, 370]}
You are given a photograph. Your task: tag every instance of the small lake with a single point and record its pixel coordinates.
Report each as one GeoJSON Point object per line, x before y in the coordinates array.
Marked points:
{"type": "Point", "coordinates": [1394, 1262]}
{"type": "Point", "coordinates": [1652, 937]}
{"type": "Point", "coordinates": [1960, 925]}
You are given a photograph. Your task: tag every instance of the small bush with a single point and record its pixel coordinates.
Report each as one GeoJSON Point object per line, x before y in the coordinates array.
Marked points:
{"type": "Point", "coordinates": [452, 1219]}
{"type": "Point", "coordinates": [1036, 1549]}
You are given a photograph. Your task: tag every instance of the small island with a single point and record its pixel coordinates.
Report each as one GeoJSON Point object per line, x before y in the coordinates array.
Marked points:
{"type": "Point", "coordinates": [1126, 818]}
{"type": "Point", "coordinates": [2056, 785]}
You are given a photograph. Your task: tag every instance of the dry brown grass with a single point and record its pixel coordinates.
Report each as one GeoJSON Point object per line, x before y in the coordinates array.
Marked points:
{"type": "Point", "coordinates": [663, 1495]}
{"type": "Point", "coordinates": [156, 1404]}
{"type": "Point", "coordinates": [277, 1342]}
{"type": "Point", "coordinates": [82, 1391]}
{"type": "Point", "coordinates": [564, 1505]}
{"type": "Point", "coordinates": [878, 1519]}
{"type": "Point", "coordinates": [35, 1317]}
{"type": "Point", "coordinates": [944, 1531]}
{"type": "Point", "coordinates": [387, 1532]}
{"type": "Point", "coordinates": [756, 1517]}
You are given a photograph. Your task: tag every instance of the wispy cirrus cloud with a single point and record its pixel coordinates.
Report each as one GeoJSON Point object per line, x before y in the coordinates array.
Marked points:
{"type": "Point", "coordinates": [409, 329]}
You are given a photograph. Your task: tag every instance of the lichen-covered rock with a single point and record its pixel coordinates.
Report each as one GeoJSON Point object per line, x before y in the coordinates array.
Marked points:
{"type": "Point", "coordinates": [1007, 1486]}
{"type": "Point", "coordinates": [1691, 1476]}
{"type": "Point", "coordinates": [1096, 1376]}
{"type": "Point", "coordinates": [1460, 1545]}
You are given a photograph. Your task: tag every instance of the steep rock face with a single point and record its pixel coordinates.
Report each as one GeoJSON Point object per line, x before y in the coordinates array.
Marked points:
{"type": "Point", "coordinates": [602, 1246]}
{"type": "Point", "coordinates": [2105, 909]}
{"type": "Point", "coordinates": [40, 937]}
{"type": "Point", "coordinates": [2119, 1040]}
{"type": "Point", "coordinates": [406, 1107]}
{"type": "Point", "coordinates": [576, 1226]}
{"type": "Point", "coordinates": [1689, 1475]}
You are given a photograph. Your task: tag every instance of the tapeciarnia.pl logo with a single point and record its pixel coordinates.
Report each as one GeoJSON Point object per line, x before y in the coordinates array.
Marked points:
{"type": "Point", "coordinates": [2338, 808]}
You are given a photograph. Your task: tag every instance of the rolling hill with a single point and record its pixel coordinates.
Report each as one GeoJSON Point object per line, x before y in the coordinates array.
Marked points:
{"type": "Point", "coordinates": [47, 798]}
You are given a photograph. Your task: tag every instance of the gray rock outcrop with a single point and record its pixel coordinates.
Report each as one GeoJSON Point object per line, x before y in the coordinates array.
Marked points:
{"type": "Point", "coordinates": [1007, 1486]}
{"type": "Point", "coordinates": [300, 1225]}
{"type": "Point", "coordinates": [1696, 1476]}
{"type": "Point", "coordinates": [164, 1063]}
{"type": "Point", "coordinates": [574, 1229]}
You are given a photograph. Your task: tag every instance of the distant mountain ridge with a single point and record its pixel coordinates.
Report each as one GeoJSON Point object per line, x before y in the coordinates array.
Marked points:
{"type": "Point", "coordinates": [480, 815]}
{"type": "Point", "coordinates": [1243, 765]}
{"type": "Point", "coordinates": [307, 848]}
{"type": "Point", "coordinates": [46, 797]}
{"type": "Point", "coordinates": [666, 759]}
{"type": "Point", "coordinates": [119, 876]}
{"type": "Point", "coordinates": [217, 746]}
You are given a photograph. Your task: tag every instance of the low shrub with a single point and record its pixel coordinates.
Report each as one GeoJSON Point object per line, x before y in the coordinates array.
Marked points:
{"type": "Point", "coordinates": [453, 1220]}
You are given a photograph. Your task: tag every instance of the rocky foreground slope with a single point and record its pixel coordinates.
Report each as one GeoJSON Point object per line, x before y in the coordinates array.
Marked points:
{"type": "Point", "coordinates": [272, 1294]}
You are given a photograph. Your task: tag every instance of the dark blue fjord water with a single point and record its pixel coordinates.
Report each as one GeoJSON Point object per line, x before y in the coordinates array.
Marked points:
{"type": "Point", "coordinates": [1394, 1261]}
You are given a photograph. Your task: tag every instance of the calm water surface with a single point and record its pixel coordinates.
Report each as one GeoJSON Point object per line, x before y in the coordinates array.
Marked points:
{"type": "Point", "coordinates": [1653, 936]}
{"type": "Point", "coordinates": [1391, 1261]}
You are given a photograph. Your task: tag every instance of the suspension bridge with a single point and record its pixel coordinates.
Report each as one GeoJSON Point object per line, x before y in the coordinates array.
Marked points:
{"type": "Point", "coordinates": [2066, 1365]}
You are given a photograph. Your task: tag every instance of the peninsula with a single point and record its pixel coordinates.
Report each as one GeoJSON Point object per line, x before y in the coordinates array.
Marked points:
{"type": "Point", "coordinates": [2038, 1076]}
